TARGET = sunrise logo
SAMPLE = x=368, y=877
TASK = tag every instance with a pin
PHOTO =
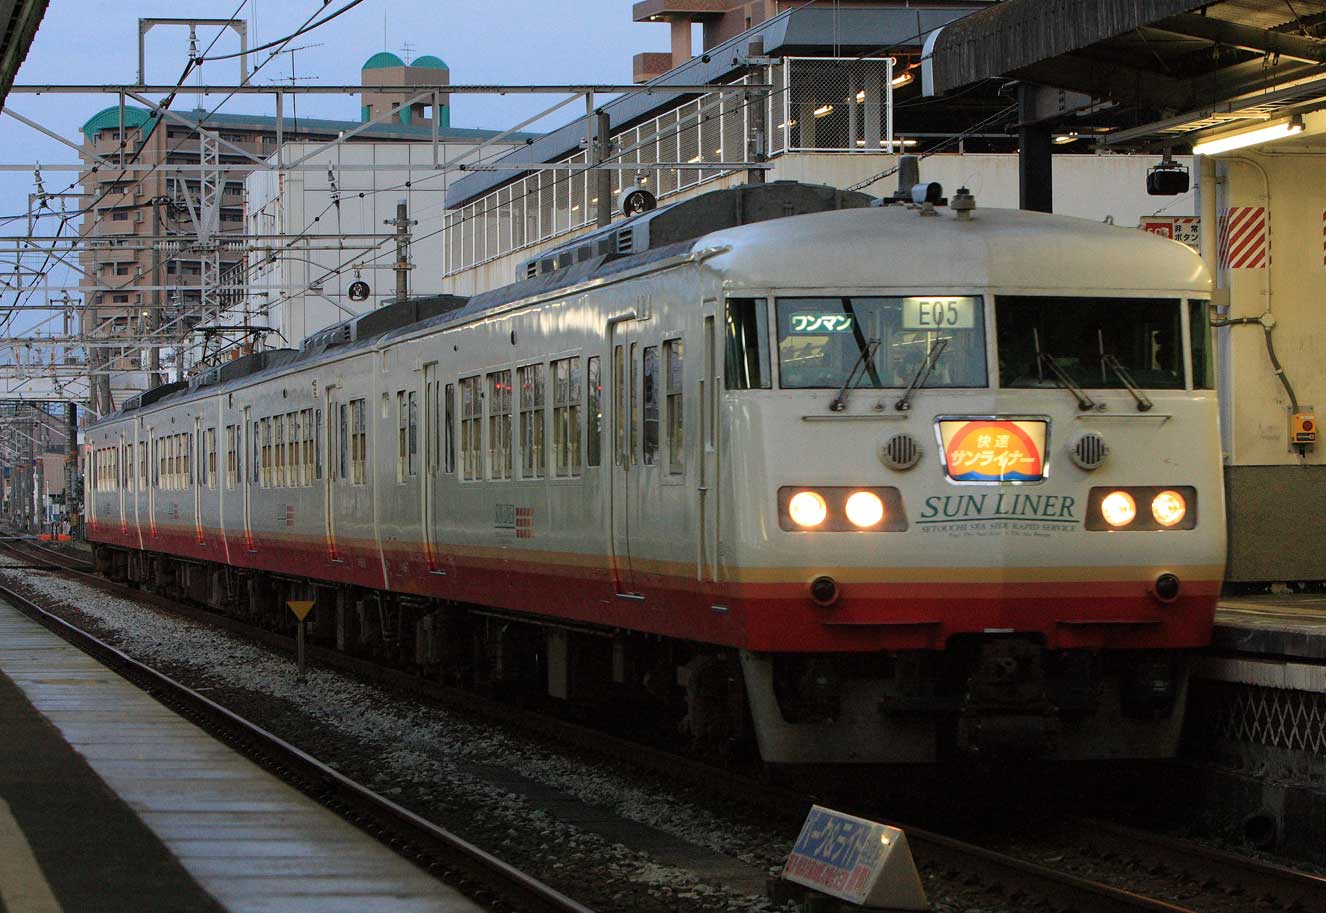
x=994, y=451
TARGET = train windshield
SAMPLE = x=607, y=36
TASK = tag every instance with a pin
x=869, y=342
x=1095, y=342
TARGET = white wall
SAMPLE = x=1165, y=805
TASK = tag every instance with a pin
x=1289, y=179
x=291, y=203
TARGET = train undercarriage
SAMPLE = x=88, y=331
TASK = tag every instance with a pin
x=985, y=697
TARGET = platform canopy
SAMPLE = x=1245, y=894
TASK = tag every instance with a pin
x=1159, y=72
x=18, y=24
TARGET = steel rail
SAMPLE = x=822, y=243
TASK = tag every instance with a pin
x=959, y=859
x=1253, y=878
x=480, y=875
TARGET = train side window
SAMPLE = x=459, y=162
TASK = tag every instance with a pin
x=675, y=351
x=747, y=346
x=594, y=417
x=413, y=443
x=269, y=451
x=566, y=417
x=633, y=406
x=308, y=470
x=142, y=465
x=471, y=425
x=344, y=441
x=317, y=445
x=531, y=421
x=209, y=445
x=1199, y=329
x=649, y=410
x=278, y=450
x=401, y=434
x=449, y=409
x=358, y=441
x=499, y=425
x=259, y=455
x=619, y=406
x=232, y=456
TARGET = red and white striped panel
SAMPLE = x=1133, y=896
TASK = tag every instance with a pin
x=1242, y=238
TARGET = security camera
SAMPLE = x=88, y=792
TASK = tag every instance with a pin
x=636, y=200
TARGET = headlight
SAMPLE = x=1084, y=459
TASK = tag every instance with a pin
x=865, y=509
x=807, y=509
x=1118, y=508
x=1169, y=508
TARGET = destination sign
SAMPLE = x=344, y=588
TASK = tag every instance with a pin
x=939, y=313
x=818, y=323
x=993, y=450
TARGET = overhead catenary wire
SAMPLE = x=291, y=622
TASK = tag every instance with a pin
x=308, y=25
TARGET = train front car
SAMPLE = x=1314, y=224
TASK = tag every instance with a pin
x=974, y=466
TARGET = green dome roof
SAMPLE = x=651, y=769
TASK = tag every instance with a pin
x=431, y=62
x=109, y=119
x=382, y=60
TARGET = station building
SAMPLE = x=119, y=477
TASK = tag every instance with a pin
x=845, y=101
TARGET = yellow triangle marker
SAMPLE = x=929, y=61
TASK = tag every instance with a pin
x=301, y=607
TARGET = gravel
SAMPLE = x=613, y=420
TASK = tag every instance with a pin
x=426, y=759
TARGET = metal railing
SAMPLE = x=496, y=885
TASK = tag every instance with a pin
x=817, y=104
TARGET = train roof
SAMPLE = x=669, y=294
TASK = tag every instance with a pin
x=995, y=248
x=900, y=247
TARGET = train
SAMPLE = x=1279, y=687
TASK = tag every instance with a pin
x=778, y=466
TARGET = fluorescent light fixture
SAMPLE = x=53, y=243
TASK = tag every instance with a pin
x=1064, y=138
x=1217, y=144
x=824, y=110
x=902, y=79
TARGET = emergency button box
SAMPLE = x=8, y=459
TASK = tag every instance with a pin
x=1303, y=428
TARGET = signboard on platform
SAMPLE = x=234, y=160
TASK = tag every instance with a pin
x=1184, y=229
x=860, y=861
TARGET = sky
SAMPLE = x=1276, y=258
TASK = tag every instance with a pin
x=495, y=41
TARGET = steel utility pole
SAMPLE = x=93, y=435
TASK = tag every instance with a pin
x=403, y=265
x=601, y=152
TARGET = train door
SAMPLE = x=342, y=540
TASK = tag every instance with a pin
x=623, y=383
x=121, y=480
x=705, y=447
x=198, y=467
x=431, y=468
x=154, y=480
x=250, y=443
x=333, y=465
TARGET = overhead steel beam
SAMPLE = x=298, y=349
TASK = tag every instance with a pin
x=1019, y=33
x=1229, y=108
x=1245, y=37
x=608, y=89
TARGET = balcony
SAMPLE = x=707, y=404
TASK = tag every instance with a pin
x=650, y=65
x=692, y=10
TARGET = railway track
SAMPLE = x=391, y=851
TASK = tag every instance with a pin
x=1206, y=879
x=480, y=875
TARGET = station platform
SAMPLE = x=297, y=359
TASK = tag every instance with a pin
x=110, y=802
x=1288, y=625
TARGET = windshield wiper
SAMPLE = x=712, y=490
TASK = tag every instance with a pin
x=865, y=360
x=1084, y=402
x=1112, y=362
x=922, y=374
